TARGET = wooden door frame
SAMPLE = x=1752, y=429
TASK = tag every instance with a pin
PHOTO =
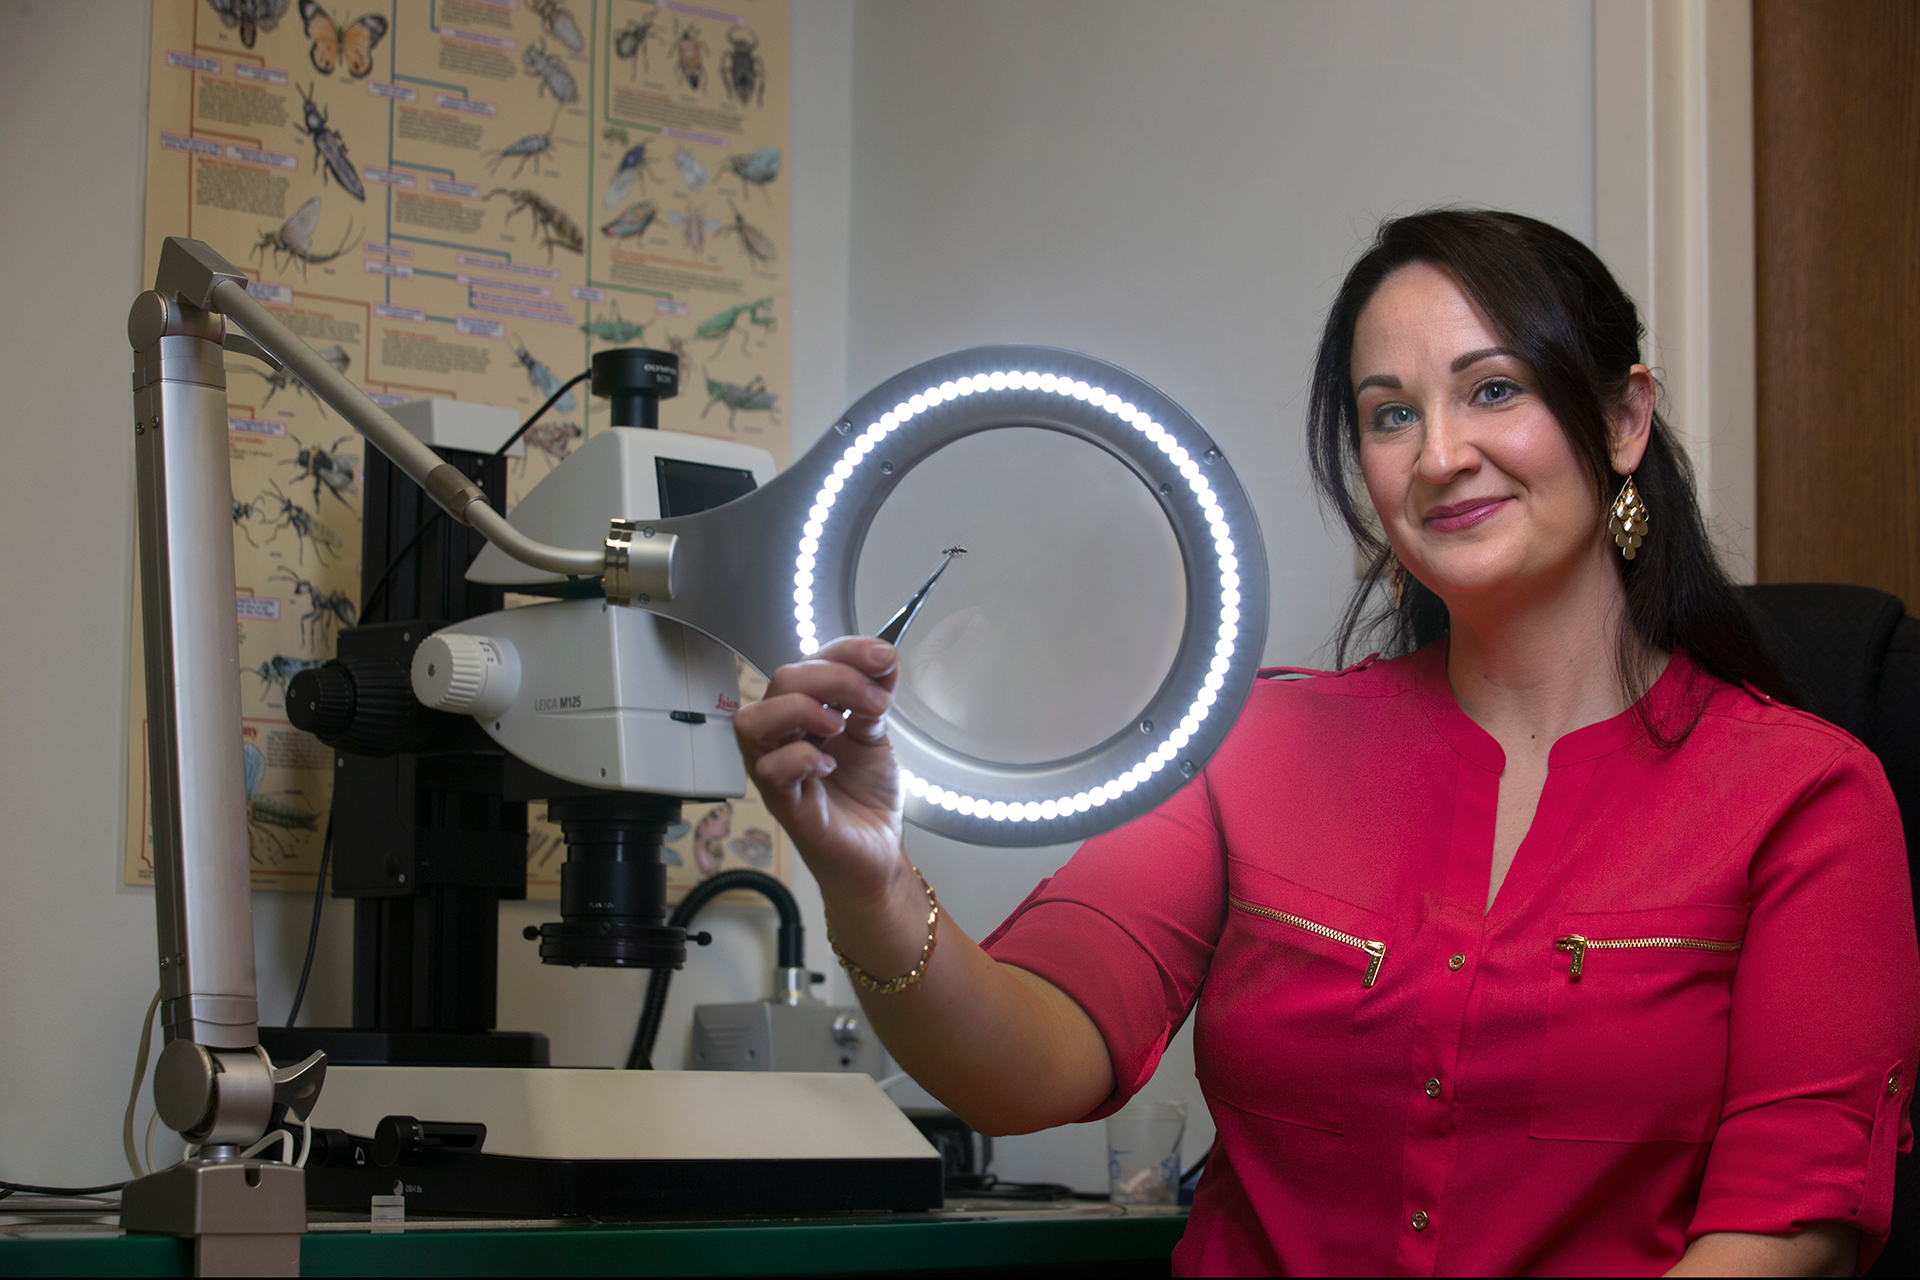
x=1674, y=220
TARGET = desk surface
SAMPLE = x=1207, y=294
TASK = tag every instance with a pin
x=967, y=1236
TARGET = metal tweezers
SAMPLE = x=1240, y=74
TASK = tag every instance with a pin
x=897, y=625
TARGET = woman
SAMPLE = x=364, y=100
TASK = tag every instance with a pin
x=1558, y=944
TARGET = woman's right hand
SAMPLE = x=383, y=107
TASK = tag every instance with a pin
x=840, y=801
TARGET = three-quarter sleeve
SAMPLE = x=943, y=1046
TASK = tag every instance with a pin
x=1825, y=1021
x=1127, y=929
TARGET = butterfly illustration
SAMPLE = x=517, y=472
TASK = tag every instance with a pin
x=251, y=16
x=354, y=43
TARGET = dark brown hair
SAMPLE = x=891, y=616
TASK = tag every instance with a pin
x=1553, y=302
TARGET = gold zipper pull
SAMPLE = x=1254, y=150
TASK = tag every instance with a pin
x=1576, y=944
x=1376, y=952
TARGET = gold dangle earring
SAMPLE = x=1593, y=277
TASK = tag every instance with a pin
x=1628, y=520
x=1396, y=580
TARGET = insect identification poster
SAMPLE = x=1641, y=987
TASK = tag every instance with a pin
x=463, y=199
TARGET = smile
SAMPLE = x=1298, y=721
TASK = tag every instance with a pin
x=1463, y=515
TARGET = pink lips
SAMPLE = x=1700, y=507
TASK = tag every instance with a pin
x=1463, y=515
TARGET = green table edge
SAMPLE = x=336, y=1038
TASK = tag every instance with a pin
x=774, y=1248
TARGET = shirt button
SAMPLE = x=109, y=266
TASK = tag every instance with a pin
x=1456, y=961
x=1420, y=1220
x=1433, y=1088
x=1893, y=1086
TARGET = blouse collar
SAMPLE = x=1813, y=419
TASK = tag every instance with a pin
x=1588, y=743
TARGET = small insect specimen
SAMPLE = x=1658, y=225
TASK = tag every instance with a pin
x=334, y=43
x=555, y=439
x=756, y=170
x=294, y=239
x=633, y=167
x=692, y=172
x=327, y=468
x=274, y=673
x=553, y=73
x=633, y=40
x=743, y=72
x=558, y=20
x=614, y=330
x=281, y=378
x=306, y=529
x=325, y=609
x=633, y=222
x=723, y=325
x=557, y=230
x=758, y=244
x=615, y=134
x=541, y=377
x=330, y=147
x=528, y=150
x=690, y=56
x=752, y=398
x=251, y=16
x=696, y=224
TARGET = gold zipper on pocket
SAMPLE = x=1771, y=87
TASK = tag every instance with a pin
x=1579, y=944
x=1376, y=951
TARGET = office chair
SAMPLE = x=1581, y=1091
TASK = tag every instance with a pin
x=1855, y=656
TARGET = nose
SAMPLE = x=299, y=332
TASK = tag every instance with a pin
x=1446, y=449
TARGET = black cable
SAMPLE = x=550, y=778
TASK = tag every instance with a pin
x=985, y=1186
x=791, y=948
x=439, y=513
x=313, y=930
x=29, y=1188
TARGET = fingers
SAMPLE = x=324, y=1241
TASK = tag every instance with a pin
x=854, y=674
x=787, y=767
x=873, y=658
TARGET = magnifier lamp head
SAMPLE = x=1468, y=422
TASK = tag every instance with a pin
x=772, y=575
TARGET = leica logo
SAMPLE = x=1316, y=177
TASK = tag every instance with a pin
x=724, y=703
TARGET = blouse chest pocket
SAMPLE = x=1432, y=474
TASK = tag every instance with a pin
x=1636, y=1038
x=1292, y=972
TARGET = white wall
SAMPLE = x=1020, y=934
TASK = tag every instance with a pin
x=1175, y=189
x=1178, y=189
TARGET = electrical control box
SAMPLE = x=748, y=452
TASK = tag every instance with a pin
x=767, y=1035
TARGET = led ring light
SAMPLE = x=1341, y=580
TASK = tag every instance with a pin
x=826, y=501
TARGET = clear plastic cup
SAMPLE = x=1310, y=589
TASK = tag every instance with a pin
x=1143, y=1152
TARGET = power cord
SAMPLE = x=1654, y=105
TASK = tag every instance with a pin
x=313, y=941
x=133, y=1094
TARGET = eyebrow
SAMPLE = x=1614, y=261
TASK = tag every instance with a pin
x=1386, y=380
x=1472, y=358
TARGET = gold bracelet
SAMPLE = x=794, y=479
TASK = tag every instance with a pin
x=894, y=986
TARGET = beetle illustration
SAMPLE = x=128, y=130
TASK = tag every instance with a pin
x=633, y=40
x=690, y=56
x=329, y=148
x=756, y=170
x=743, y=72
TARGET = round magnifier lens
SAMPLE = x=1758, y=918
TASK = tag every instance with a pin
x=1056, y=628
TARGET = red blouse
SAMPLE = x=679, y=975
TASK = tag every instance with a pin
x=1694, y=1006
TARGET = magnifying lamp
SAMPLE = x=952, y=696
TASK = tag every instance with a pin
x=772, y=576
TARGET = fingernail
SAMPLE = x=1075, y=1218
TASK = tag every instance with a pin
x=826, y=765
x=883, y=653
x=877, y=698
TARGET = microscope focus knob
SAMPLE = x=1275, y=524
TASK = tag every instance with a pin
x=322, y=700
x=466, y=674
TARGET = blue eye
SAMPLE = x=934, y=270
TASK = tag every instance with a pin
x=1496, y=391
x=1391, y=416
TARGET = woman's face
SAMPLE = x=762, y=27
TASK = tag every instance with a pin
x=1476, y=484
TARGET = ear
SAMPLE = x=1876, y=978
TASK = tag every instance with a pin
x=1631, y=425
